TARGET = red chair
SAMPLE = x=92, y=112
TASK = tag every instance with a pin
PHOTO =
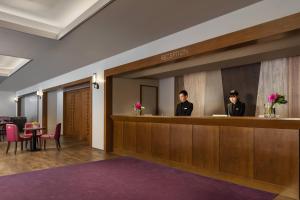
x=12, y=135
x=52, y=136
x=28, y=133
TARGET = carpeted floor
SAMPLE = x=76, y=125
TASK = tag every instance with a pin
x=121, y=179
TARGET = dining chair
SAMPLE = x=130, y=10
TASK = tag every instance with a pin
x=28, y=133
x=2, y=131
x=52, y=136
x=12, y=135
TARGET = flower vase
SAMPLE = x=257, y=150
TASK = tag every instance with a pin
x=138, y=112
x=270, y=111
x=273, y=112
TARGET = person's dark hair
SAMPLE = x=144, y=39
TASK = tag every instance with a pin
x=184, y=92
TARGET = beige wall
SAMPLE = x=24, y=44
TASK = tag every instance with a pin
x=166, y=101
x=7, y=104
x=126, y=92
x=52, y=111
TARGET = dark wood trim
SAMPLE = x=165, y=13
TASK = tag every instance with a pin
x=91, y=112
x=45, y=110
x=251, y=34
x=70, y=84
x=19, y=107
x=108, y=123
x=141, y=99
x=281, y=123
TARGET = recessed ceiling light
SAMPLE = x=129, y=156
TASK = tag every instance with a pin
x=10, y=64
x=47, y=18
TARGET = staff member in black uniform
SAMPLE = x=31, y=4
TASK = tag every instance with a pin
x=184, y=108
x=235, y=107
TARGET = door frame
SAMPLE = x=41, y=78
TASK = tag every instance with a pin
x=87, y=80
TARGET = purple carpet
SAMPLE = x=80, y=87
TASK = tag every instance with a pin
x=121, y=179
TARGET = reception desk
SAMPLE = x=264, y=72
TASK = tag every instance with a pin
x=262, y=151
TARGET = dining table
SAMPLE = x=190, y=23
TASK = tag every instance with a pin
x=34, y=131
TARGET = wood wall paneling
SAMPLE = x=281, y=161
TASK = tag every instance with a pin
x=108, y=123
x=118, y=135
x=294, y=87
x=245, y=80
x=143, y=138
x=276, y=156
x=68, y=113
x=129, y=136
x=236, y=150
x=77, y=126
x=206, y=147
x=181, y=140
x=77, y=114
x=160, y=140
x=86, y=115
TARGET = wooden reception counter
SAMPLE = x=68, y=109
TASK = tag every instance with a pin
x=254, y=149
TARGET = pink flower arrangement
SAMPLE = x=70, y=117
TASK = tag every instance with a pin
x=138, y=107
x=272, y=97
x=276, y=98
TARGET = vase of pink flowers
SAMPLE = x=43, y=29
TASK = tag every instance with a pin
x=137, y=107
x=273, y=99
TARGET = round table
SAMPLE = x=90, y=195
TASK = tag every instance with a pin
x=33, y=139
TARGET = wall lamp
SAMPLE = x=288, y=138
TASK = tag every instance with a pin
x=16, y=99
x=95, y=82
x=39, y=93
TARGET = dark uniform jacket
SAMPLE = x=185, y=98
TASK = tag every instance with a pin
x=184, y=109
x=237, y=109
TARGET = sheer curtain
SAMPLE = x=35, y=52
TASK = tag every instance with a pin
x=282, y=76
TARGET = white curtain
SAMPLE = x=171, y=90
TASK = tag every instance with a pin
x=281, y=76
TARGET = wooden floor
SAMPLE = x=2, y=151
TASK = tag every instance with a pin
x=73, y=152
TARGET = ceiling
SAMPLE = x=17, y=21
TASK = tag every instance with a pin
x=9, y=65
x=47, y=18
x=120, y=26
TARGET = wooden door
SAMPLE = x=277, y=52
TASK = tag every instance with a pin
x=77, y=114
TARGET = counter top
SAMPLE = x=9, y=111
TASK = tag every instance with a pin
x=256, y=122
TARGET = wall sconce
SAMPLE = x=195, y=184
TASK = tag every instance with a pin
x=16, y=99
x=95, y=82
x=39, y=93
